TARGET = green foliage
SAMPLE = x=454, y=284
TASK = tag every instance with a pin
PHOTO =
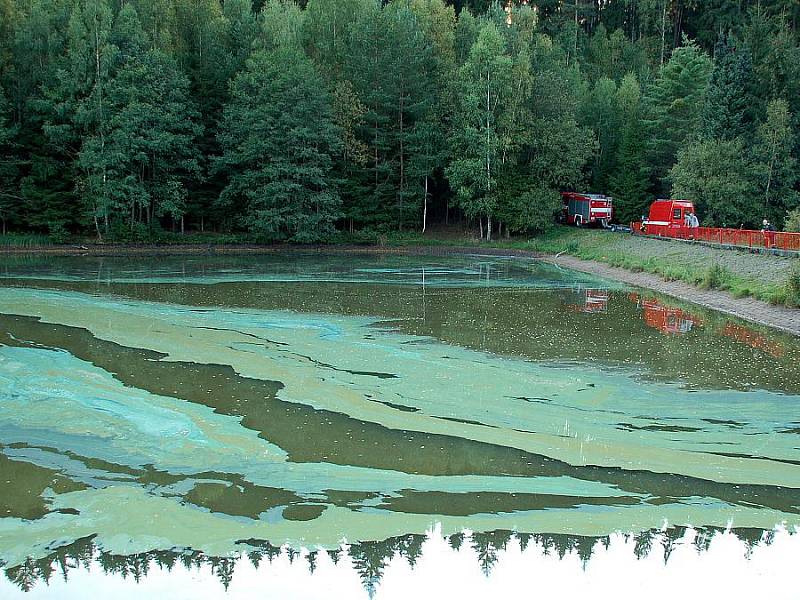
x=24, y=240
x=792, y=222
x=57, y=233
x=143, y=159
x=777, y=168
x=8, y=171
x=793, y=285
x=601, y=112
x=673, y=105
x=282, y=26
x=714, y=277
x=116, y=112
x=727, y=103
x=516, y=137
x=485, y=126
x=720, y=178
x=629, y=181
x=278, y=139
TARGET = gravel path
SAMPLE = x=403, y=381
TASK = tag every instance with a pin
x=761, y=267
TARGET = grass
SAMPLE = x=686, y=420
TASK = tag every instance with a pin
x=793, y=286
x=24, y=240
x=765, y=277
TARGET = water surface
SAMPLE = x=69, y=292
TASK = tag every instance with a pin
x=215, y=407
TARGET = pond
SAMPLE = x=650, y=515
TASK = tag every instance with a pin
x=370, y=423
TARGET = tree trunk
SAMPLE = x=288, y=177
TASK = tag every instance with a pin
x=575, y=54
x=488, y=228
x=772, y=158
x=488, y=137
x=678, y=27
x=100, y=112
x=769, y=184
x=663, y=30
x=97, y=228
x=402, y=161
x=425, y=207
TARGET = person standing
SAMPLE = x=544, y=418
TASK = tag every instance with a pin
x=768, y=229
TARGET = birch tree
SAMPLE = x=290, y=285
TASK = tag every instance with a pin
x=485, y=90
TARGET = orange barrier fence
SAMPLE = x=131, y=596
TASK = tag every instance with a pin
x=747, y=238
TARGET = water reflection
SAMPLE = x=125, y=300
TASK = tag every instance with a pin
x=311, y=435
x=666, y=319
x=754, y=339
x=590, y=301
x=65, y=568
x=385, y=269
x=530, y=310
x=235, y=411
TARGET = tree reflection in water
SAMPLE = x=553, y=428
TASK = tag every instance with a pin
x=368, y=559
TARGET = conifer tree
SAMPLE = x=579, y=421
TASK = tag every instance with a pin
x=629, y=181
x=673, y=107
x=9, y=198
x=727, y=102
x=279, y=141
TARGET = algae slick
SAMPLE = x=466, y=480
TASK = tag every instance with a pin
x=135, y=414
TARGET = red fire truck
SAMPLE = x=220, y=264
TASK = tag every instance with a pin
x=586, y=209
x=666, y=215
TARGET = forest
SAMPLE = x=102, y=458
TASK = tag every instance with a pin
x=308, y=121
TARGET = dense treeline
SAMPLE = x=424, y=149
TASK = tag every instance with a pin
x=294, y=120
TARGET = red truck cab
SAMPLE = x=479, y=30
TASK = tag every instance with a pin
x=667, y=214
x=586, y=209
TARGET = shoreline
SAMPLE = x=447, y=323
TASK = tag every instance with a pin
x=747, y=308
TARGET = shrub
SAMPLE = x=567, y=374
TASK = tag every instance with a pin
x=742, y=292
x=58, y=233
x=793, y=285
x=792, y=222
x=714, y=277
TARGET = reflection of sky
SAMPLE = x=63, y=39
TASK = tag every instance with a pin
x=726, y=569
x=573, y=411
